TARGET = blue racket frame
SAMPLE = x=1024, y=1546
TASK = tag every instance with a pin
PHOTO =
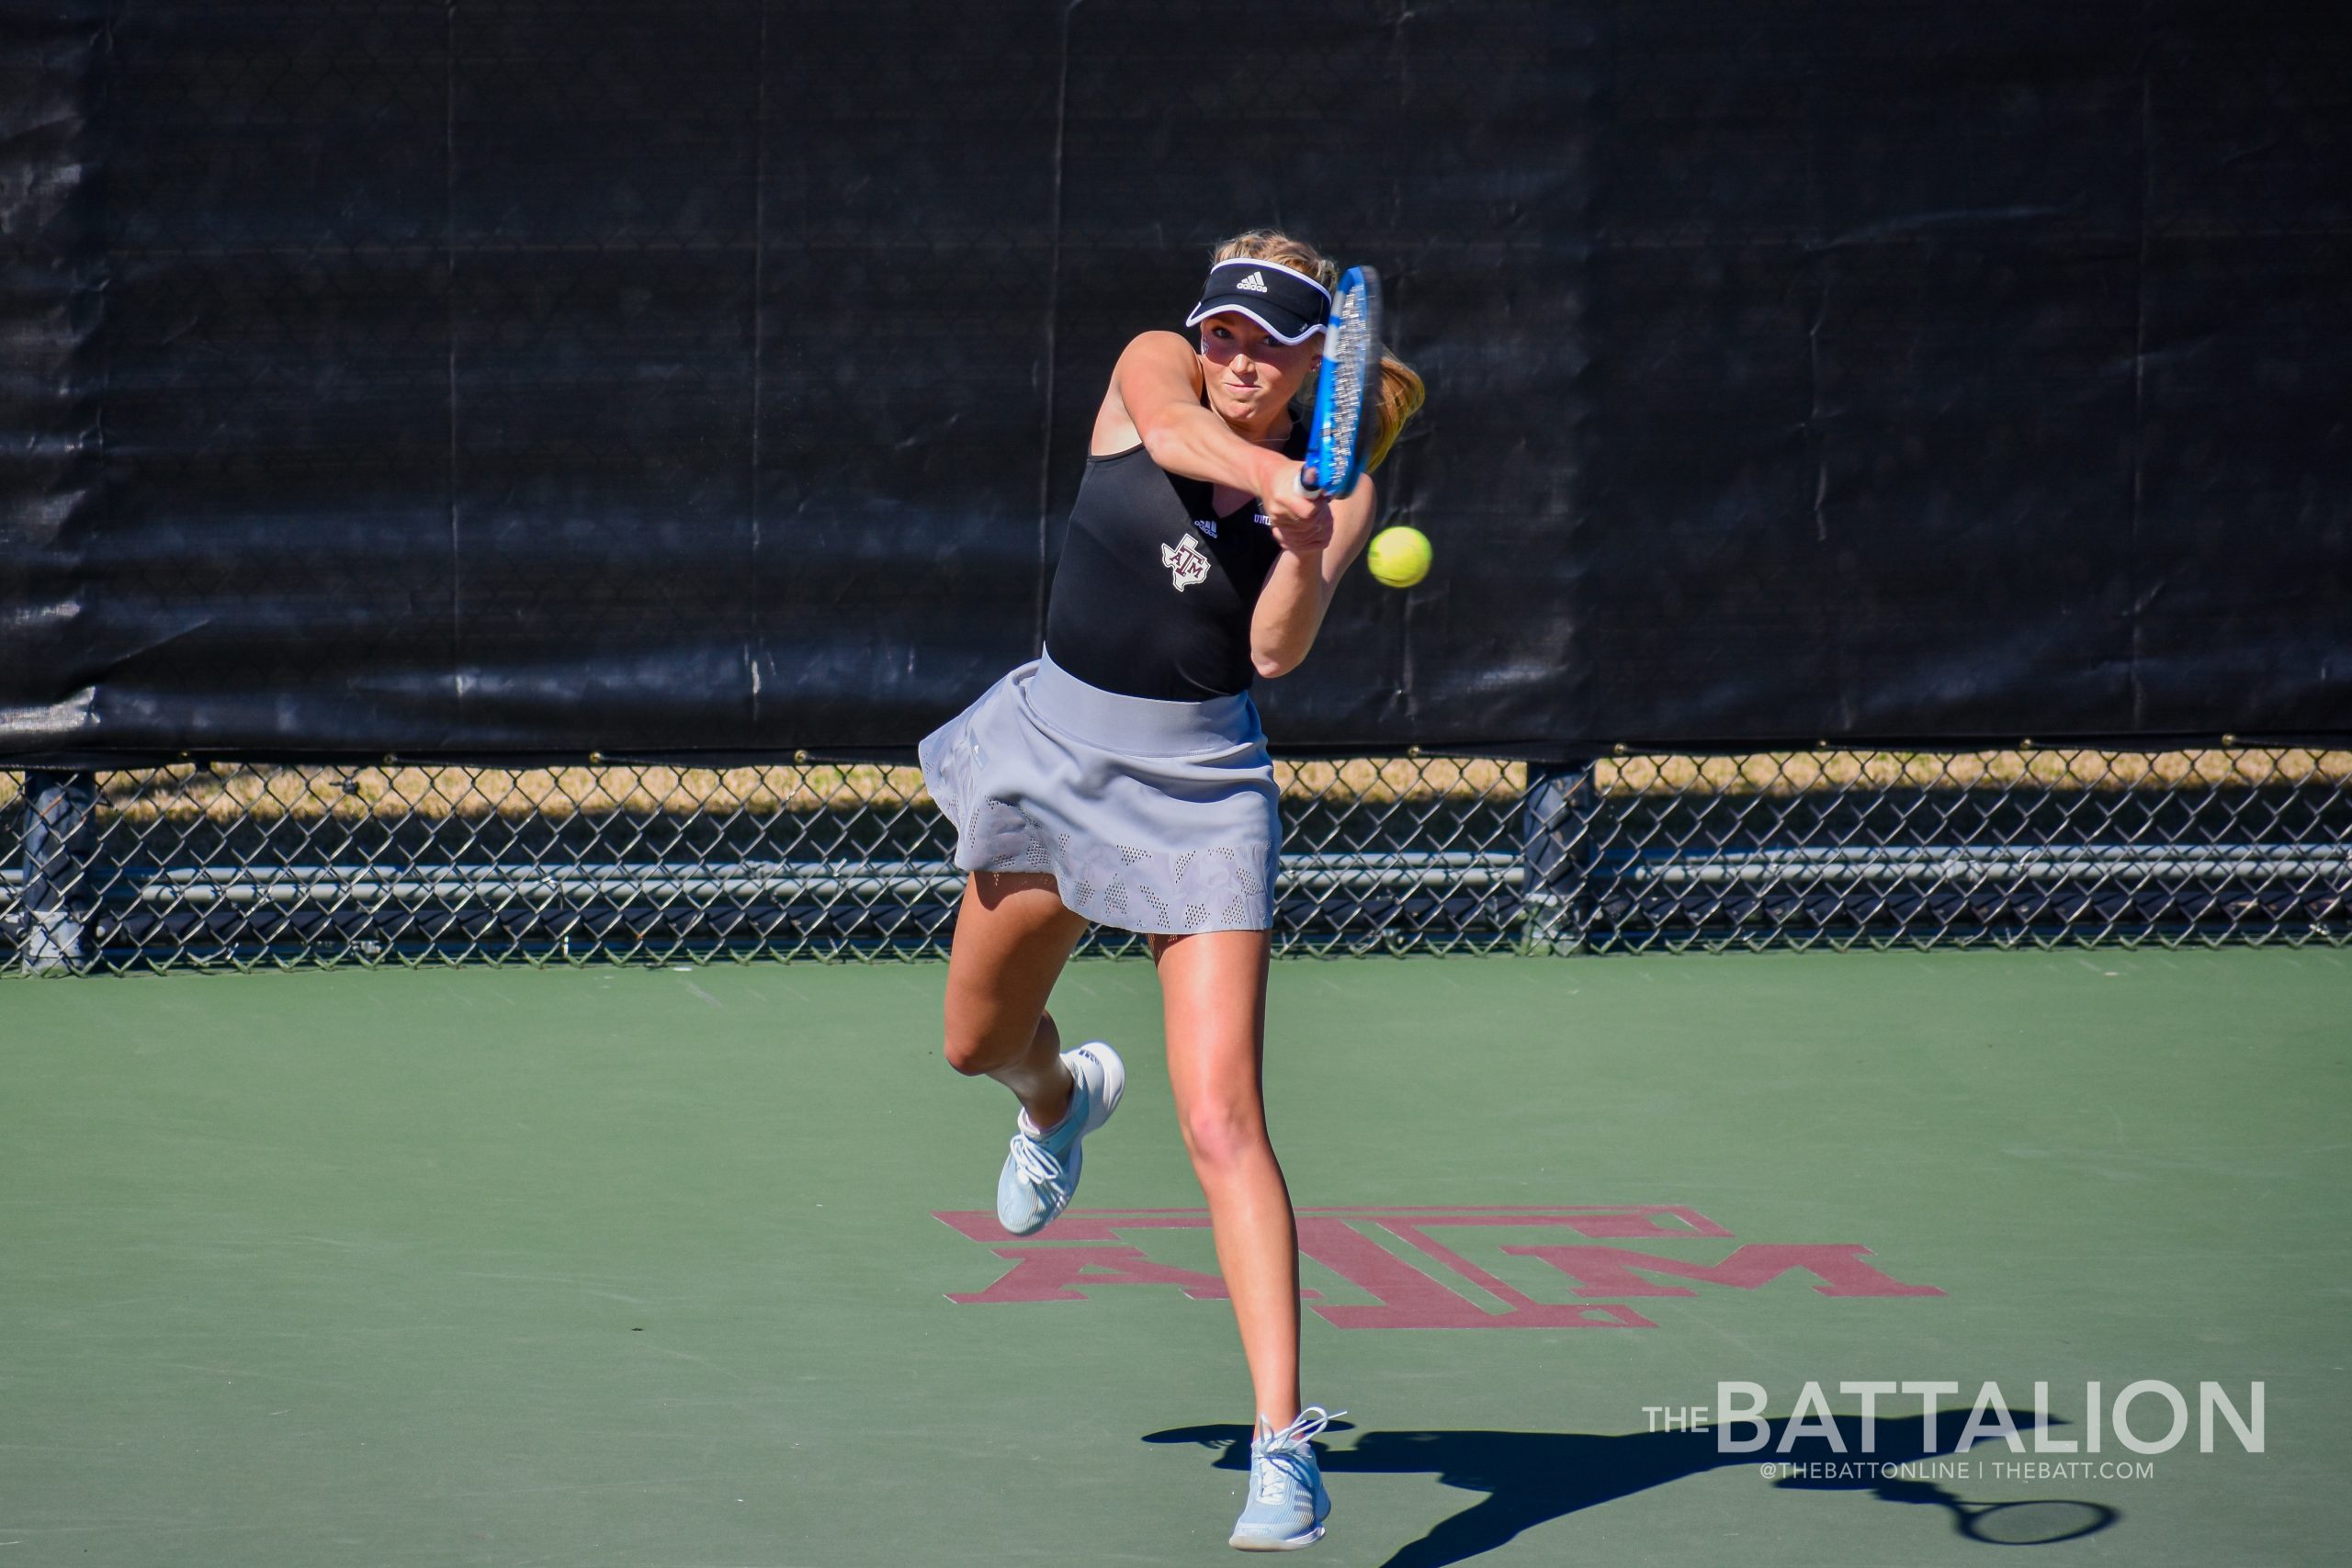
x=1343, y=390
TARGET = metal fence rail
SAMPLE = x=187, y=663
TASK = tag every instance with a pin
x=248, y=865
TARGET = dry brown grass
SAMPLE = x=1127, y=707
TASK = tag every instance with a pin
x=1381, y=780
x=232, y=792
x=1793, y=772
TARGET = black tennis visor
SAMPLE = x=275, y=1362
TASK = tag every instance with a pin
x=1288, y=304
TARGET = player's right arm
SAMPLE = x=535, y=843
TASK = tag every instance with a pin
x=1155, y=394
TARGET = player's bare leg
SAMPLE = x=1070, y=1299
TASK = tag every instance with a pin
x=1012, y=936
x=1213, y=986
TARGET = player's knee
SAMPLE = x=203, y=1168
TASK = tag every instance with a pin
x=983, y=1044
x=971, y=1053
x=1223, y=1134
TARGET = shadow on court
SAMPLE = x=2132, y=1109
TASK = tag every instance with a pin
x=1533, y=1478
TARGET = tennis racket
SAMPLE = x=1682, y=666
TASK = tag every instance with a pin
x=1335, y=451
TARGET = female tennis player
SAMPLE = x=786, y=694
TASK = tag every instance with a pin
x=1123, y=778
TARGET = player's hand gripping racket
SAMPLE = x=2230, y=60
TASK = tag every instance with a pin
x=1335, y=451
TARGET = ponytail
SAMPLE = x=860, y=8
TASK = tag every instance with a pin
x=1397, y=398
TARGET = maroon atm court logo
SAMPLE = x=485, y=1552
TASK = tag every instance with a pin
x=1419, y=1266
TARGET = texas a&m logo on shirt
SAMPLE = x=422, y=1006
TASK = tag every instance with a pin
x=1185, y=562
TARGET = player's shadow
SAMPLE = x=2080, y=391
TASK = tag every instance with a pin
x=1533, y=1478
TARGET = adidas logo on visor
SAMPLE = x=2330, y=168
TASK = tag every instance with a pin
x=1255, y=283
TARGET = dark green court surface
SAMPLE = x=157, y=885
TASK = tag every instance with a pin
x=671, y=1267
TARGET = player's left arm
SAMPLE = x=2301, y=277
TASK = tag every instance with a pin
x=1316, y=554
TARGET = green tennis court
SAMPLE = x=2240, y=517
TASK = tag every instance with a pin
x=673, y=1267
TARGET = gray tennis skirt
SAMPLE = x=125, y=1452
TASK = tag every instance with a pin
x=1150, y=815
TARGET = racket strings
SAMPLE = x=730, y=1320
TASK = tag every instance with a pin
x=1349, y=359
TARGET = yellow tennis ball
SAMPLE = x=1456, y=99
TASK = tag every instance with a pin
x=1399, y=556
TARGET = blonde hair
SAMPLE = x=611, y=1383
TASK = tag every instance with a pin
x=1400, y=393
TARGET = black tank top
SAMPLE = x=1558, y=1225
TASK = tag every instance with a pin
x=1154, y=592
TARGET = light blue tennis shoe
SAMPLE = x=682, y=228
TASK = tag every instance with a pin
x=1040, y=1174
x=1287, y=1503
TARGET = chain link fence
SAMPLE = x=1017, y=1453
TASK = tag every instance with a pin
x=246, y=866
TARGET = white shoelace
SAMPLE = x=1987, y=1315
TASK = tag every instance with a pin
x=1037, y=1161
x=1283, y=1457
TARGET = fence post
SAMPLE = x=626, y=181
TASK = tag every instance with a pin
x=60, y=840
x=1556, y=847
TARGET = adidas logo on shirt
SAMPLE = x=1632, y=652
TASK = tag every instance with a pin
x=1255, y=283
x=1205, y=527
